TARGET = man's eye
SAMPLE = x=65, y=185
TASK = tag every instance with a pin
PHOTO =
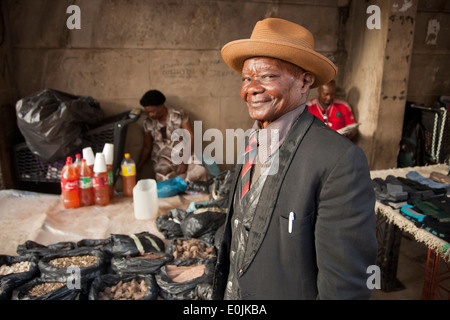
x=245, y=79
x=268, y=76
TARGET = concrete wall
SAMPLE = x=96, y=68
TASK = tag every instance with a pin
x=430, y=61
x=8, y=94
x=125, y=48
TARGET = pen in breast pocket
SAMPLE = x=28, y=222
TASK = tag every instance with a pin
x=291, y=221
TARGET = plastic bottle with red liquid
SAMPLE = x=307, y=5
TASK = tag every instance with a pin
x=69, y=185
x=77, y=162
x=100, y=181
x=86, y=190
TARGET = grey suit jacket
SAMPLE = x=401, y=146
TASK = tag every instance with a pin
x=324, y=179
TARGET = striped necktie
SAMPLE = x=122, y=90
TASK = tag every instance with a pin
x=249, y=156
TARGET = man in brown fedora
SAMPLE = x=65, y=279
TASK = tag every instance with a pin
x=307, y=229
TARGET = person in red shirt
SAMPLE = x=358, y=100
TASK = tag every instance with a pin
x=336, y=113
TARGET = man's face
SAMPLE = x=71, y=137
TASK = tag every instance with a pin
x=271, y=88
x=154, y=112
x=326, y=94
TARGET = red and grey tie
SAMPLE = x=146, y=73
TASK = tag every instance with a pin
x=249, y=157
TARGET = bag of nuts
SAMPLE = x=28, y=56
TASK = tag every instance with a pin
x=190, y=251
x=40, y=289
x=15, y=271
x=61, y=266
x=124, y=287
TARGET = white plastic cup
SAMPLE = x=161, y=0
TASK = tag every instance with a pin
x=108, y=151
x=100, y=164
x=145, y=199
x=88, y=154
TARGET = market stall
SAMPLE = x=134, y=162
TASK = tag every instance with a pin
x=390, y=225
x=123, y=254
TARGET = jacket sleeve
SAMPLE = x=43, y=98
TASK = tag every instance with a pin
x=345, y=236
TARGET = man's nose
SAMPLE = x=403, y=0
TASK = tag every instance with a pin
x=255, y=87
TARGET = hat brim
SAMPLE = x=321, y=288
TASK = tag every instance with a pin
x=236, y=52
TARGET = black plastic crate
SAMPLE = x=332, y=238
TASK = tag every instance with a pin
x=30, y=168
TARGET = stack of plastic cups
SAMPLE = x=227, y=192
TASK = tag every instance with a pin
x=100, y=181
x=88, y=154
x=108, y=151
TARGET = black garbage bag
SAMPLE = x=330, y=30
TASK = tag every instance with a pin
x=61, y=290
x=169, y=224
x=141, y=264
x=102, y=282
x=32, y=247
x=52, y=122
x=204, y=291
x=203, y=221
x=199, y=186
x=53, y=269
x=221, y=185
x=173, y=289
x=133, y=244
x=8, y=282
x=93, y=243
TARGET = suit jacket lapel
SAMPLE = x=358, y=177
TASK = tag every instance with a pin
x=271, y=189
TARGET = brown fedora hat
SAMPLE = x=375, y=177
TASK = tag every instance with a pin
x=284, y=40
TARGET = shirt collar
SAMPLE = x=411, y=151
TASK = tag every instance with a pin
x=274, y=134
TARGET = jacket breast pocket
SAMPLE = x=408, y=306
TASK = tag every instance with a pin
x=296, y=226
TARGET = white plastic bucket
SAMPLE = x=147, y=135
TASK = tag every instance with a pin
x=145, y=199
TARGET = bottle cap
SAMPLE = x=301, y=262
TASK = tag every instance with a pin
x=127, y=155
x=88, y=154
x=108, y=151
x=100, y=164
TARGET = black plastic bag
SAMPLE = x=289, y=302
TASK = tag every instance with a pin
x=93, y=243
x=141, y=264
x=221, y=186
x=32, y=247
x=62, y=293
x=133, y=244
x=203, y=221
x=52, y=122
x=13, y=280
x=108, y=280
x=204, y=291
x=63, y=274
x=187, y=290
x=169, y=224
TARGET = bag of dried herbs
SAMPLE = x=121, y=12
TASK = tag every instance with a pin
x=124, y=287
x=85, y=263
x=133, y=244
x=190, y=251
x=15, y=271
x=41, y=289
x=180, y=282
x=145, y=263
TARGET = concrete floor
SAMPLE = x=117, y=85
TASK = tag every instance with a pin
x=410, y=272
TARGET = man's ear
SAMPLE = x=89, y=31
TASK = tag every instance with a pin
x=308, y=80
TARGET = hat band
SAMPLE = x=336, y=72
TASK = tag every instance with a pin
x=267, y=35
